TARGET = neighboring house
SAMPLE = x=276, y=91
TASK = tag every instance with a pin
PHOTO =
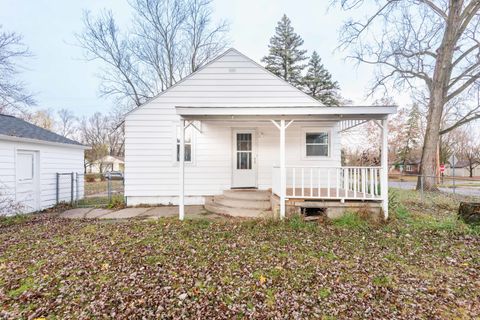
x=462, y=169
x=242, y=141
x=106, y=164
x=30, y=158
x=411, y=166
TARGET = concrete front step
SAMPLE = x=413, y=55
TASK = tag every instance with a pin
x=237, y=212
x=241, y=203
x=248, y=194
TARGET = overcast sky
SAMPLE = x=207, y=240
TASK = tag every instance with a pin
x=62, y=79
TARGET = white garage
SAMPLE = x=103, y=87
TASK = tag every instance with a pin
x=38, y=168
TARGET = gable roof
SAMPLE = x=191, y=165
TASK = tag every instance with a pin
x=15, y=127
x=233, y=74
x=463, y=164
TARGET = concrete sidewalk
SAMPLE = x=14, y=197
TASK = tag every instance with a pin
x=130, y=213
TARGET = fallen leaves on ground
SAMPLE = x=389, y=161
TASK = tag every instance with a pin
x=58, y=268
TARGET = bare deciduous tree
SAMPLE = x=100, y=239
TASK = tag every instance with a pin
x=66, y=123
x=44, y=118
x=168, y=39
x=429, y=46
x=464, y=144
x=14, y=97
x=104, y=134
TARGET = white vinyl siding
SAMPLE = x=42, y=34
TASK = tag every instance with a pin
x=150, y=176
x=52, y=159
x=151, y=170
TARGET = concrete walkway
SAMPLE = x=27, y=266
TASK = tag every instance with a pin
x=129, y=213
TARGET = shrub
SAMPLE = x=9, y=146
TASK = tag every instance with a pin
x=90, y=177
x=117, y=202
x=8, y=204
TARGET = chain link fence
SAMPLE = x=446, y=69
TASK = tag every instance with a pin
x=450, y=189
x=69, y=187
x=102, y=190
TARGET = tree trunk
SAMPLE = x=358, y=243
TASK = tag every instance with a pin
x=438, y=94
x=469, y=212
x=432, y=134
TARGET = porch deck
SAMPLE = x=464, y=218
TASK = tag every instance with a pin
x=328, y=193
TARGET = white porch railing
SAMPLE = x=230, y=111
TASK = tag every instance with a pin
x=344, y=183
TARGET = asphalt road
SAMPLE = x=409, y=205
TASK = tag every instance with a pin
x=410, y=185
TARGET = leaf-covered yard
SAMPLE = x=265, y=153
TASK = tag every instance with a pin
x=58, y=268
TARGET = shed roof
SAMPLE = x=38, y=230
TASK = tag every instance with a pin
x=15, y=127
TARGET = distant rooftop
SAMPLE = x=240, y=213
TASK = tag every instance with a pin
x=15, y=127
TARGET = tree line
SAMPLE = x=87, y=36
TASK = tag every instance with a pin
x=405, y=140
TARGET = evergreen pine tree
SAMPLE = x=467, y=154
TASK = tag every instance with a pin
x=412, y=134
x=319, y=84
x=285, y=55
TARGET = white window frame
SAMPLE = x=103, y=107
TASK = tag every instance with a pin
x=306, y=130
x=176, y=128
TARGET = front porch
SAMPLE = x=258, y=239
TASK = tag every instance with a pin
x=291, y=183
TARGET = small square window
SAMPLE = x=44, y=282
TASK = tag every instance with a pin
x=316, y=144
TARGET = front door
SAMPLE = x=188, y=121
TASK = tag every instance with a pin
x=27, y=181
x=244, y=159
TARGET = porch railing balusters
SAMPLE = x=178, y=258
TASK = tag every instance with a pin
x=337, y=173
x=293, y=181
x=355, y=182
x=311, y=182
x=371, y=182
x=328, y=184
x=303, y=182
x=350, y=183
x=319, y=182
x=364, y=183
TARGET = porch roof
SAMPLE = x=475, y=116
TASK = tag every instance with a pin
x=298, y=113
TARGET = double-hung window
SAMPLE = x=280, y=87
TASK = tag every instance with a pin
x=316, y=143
x=188, y=144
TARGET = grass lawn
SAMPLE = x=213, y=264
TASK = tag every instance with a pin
x=100, y=187
x=423, y=263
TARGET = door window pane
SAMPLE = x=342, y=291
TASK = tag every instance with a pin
x=244, y=141
x=244, y=161
x=244, y=151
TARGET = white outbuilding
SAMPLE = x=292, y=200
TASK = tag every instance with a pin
x=38, y=168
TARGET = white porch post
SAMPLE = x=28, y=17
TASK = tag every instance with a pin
x=384, y=171
x=283, y=174
x=181, y=169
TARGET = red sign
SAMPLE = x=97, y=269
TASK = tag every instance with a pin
x=442, y=168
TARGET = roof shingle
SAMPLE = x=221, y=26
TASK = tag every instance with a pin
x=15, y=127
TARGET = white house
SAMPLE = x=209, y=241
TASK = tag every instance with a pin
x=241, y=141
x=30, y=158
x=106, y=164
x=462, y=169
